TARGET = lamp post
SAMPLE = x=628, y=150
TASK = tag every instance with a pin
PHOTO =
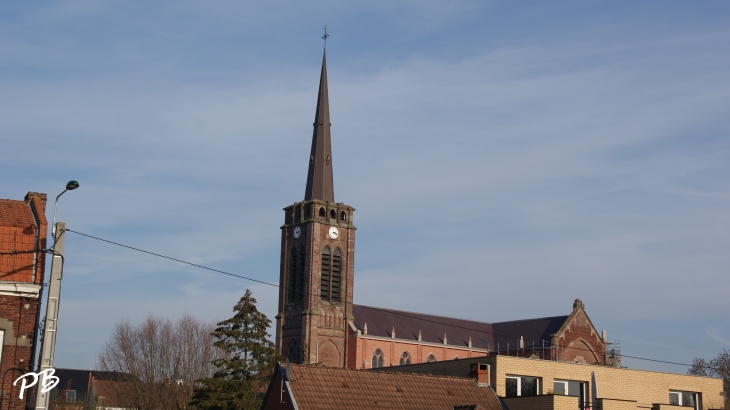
x=54, y=295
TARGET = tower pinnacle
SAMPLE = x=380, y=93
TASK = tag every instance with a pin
x=319, y=178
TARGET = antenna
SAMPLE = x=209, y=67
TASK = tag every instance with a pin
x=324, y=37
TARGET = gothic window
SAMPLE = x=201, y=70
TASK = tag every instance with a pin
x=300, y=275
x=333, y=214
x=405, y=358
x=431, y=358
x=322, y=212
x=292, y=276
x=308, y=211
x=324, y=288
x=331, y=276
x=378, y=359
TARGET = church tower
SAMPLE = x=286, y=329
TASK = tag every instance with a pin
x=317, y=259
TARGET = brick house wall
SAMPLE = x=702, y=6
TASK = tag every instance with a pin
x=23, y=228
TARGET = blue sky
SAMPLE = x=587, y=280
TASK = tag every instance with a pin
x=504, y=158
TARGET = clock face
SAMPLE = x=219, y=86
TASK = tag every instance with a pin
x=333, y=233
x=297, y=232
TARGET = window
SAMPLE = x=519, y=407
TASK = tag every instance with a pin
x=684, y=398
x=571, y=388
x=293, y=275
x=331, y=276
x=378, y=359
x=71, y=395
x=324, y=288
x=431, y=358
x=522, y=386
x=322, y=212
x=405, y=358
x=333, y=214
x=343, y=216
x=296, y=275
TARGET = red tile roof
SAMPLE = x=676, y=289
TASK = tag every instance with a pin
x=324, y=388
x=15, y=213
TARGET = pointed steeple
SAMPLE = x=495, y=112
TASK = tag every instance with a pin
x=319, y=178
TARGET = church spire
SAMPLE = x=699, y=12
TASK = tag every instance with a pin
x=319, y=178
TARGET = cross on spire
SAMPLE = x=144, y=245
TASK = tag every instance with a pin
x=324, y=37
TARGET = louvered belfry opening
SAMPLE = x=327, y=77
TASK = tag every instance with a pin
x=300, y=275
x=331, y=282
x=336, y=275
x=293, y=275
x=326, y=268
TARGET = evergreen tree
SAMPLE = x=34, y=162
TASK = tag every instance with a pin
x=248, y=362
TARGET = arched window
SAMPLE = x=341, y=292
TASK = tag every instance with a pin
x=431, y=358
x=324, y=288
x=343, y=216
x=322, y=212
x=336, y=275
x=378, y=359
x=293, y=277
x=333, y=214
x=405, y=358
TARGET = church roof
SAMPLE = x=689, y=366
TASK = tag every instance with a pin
x=320, y=183
x=484, y=335
x=326, y=388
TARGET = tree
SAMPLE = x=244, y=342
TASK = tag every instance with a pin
x=718, y=367
x=157, y=362
x=248, y=362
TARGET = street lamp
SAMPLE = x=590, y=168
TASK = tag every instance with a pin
x=54, y=298
x=69, y=187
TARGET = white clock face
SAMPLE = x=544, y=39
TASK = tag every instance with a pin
x=333, y=233
x=297, y=232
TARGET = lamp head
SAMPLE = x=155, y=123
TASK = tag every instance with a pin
x=72, y=185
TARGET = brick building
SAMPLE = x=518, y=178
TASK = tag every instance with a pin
x=318, y=323
x=534, y=384
x=23, y=230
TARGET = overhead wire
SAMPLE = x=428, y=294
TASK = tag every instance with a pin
x=396, y=312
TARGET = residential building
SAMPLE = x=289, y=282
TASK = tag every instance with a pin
x=312, y=387
x=530, y=383
x=23, y=234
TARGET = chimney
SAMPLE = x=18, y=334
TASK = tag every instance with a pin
x=603, y=335
x=392, y=333
x=444, y=337
x=365, y=329
x=42, y=198
x=419, y=335
x=522, y=343
x=469, y=341
x=481, y=372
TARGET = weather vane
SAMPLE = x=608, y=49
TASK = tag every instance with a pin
x=324, y=37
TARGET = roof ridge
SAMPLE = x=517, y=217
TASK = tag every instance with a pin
x=368, y=371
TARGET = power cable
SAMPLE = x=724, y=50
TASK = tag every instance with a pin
x=404, y=314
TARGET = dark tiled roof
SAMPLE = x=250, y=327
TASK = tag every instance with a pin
x=325, y=388
x=15, y=213
x=454, y=368
x=483, y=335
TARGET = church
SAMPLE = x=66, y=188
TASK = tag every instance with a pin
x=317, y=321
